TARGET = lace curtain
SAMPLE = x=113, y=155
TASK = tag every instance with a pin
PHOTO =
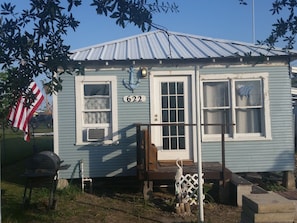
x=92, y=115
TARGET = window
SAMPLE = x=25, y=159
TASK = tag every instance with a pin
x=173, y=111
x=96, y=109
x=249, y=106
x=216, y=106
x=240, y=102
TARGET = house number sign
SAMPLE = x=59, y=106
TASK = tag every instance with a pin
x=134, y=98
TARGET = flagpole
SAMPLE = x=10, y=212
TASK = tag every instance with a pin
x=33, y=135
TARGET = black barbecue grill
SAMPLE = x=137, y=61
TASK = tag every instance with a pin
x=42, y=172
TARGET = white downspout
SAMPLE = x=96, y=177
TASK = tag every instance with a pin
x=199, y=153
x=55, y=122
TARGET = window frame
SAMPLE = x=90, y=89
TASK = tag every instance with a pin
x=80, y=82
x=232, y=78
x=220, y=108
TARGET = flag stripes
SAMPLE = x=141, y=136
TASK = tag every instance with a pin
x=20, y=115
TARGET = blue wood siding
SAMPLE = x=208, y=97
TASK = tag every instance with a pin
x=120, y=159
x=105, y=160
x=266, y=155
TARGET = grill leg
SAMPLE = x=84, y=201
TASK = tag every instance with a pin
x=52, y=203
x=26, y=200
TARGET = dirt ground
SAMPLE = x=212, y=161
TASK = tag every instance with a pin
x=117, y=201
x=128, y=206
x=116, y=204
x=123, y=208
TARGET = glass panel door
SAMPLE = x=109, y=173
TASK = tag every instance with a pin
x=171, y=111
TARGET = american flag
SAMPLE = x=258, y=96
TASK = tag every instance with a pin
x=20, y=115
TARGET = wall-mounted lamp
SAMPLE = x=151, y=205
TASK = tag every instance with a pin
x=143, y=71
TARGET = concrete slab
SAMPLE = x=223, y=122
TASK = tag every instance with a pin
x=268, y=217
x=242, y=190
x=268, y=203
x=244, y=218
x=291, y=195
x=241, y=187
x=295, y=216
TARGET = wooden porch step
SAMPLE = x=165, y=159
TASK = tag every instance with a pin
x=162, y=163
x=167, y=170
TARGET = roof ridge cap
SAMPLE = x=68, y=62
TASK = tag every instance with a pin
x=115, y=41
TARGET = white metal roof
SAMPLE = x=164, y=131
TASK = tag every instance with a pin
x=170, y=45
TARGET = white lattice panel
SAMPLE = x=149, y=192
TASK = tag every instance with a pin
x=189, y=186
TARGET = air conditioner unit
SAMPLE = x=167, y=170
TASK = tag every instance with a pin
x=95, y=135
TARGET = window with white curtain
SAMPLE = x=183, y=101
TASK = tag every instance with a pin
x=238, y=102
x=216, y=106
x=95, y=109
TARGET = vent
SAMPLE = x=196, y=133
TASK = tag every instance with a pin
x=95, y=135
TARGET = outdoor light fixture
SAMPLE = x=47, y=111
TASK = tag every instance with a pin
x=143, y=71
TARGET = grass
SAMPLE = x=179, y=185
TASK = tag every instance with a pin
x=110, y=204
x=13, y=209
x=71, y=203
x=115, y=201
x=14, y=151
x=14, y=148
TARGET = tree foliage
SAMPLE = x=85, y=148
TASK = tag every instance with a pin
x=32, y=40
x=285, y=27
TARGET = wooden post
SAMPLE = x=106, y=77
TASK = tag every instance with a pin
x=289, y=180
x=147, y=190
x=223, y=155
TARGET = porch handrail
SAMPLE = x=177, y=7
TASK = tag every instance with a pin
x=222, y=146
x=149, y=125
x=143, y=139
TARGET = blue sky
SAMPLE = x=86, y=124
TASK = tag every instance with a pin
x=224, y=19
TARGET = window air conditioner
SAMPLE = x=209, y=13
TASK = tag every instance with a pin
x=95, y=135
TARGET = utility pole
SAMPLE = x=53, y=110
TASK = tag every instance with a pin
x=253, y=22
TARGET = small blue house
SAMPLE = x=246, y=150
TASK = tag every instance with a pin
x=190, y=90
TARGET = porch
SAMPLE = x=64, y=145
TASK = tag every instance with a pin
x=150, y=168
x=166, y=170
